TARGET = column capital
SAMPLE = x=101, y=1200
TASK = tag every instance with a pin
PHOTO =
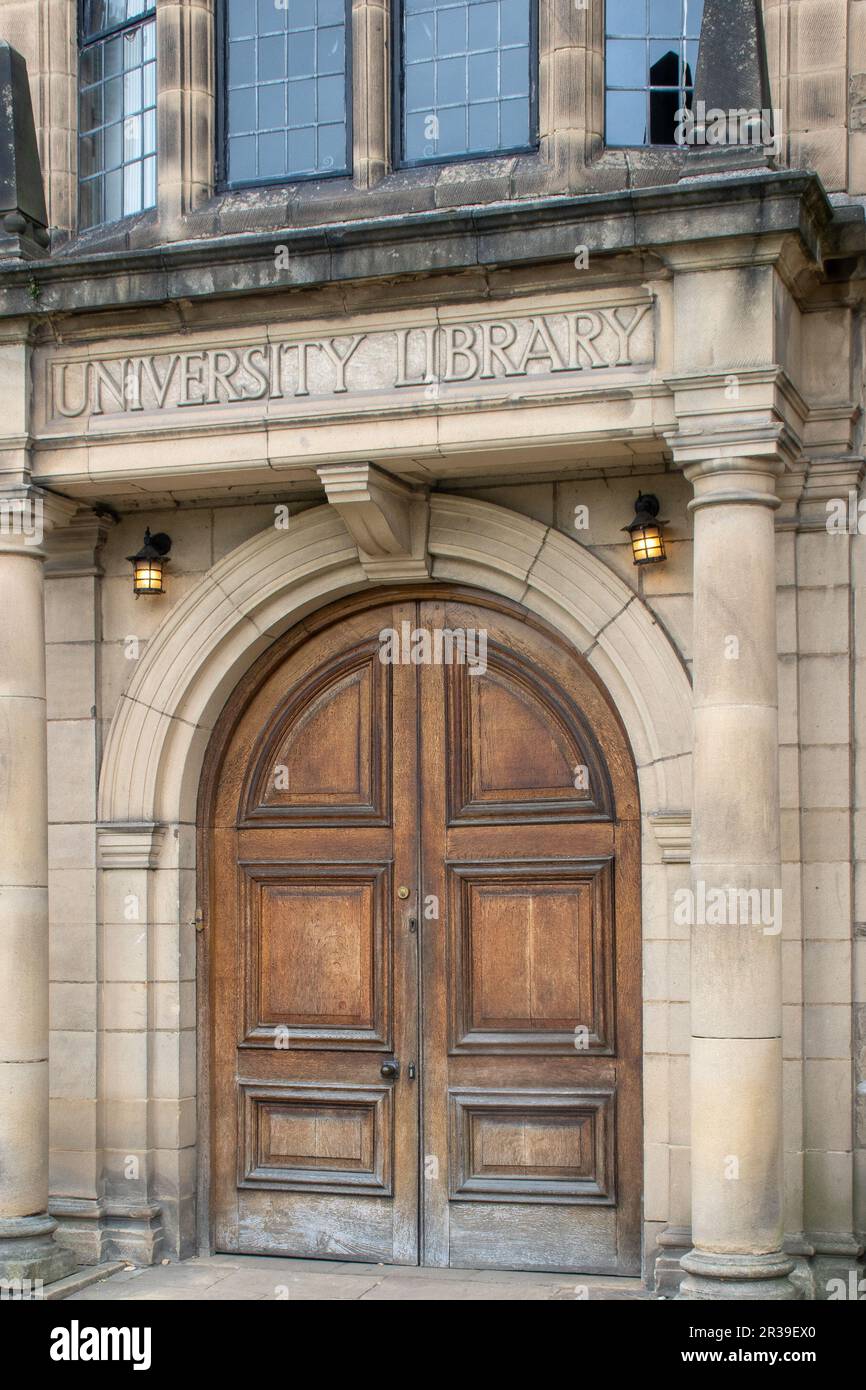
x=735, y=481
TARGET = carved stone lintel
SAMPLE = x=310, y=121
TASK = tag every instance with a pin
x=387, y=520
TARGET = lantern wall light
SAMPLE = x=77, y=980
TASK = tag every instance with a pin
x=148, y=564
x=645, y=531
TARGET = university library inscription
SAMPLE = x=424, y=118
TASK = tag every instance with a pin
x=428, y=358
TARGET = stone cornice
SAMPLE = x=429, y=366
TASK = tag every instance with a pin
x=501, y=234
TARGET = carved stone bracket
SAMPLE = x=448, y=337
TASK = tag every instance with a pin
x=130, y=845
x=387, y=520
x=674, y=835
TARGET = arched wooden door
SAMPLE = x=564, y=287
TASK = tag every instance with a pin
x=424, y=947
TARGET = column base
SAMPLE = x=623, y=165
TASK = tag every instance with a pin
x=737, y=1277
x=28, y=1251
x=673, y=1243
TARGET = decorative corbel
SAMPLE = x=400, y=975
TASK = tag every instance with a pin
x=387, y=519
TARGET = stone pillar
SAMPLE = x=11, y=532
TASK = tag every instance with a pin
x=736, y=963
x=371, y=99
x=27, y=1248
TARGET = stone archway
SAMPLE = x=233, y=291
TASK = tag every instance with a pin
x=158, y=735
x=161, y=728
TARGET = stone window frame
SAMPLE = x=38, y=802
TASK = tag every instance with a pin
x=570, y=156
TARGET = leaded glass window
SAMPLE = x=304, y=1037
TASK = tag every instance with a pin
x=651, y=50
x=286, y=90
x=117, y=109
x=467, y=77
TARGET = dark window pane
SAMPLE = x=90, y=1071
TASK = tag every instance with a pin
x=451, y=31
x=513, y=21
x=99, y=15
x=242, y=63
x=666, y=18
x=451, y=81
x=483, y=76
x=242, y=158
x=272, y=107
x=664, y=64
x=272, y=58
x=663, y=108
x=242, y=110
x=241, y=19
x=270, y=19
x=420, y=97
x=514, y=68
x=90, y=155
x=302, y=54
x=484, y=126
x=302, y=14
x=331, y=12
x=418, y=37
x=626, y=118
x=113, y=56
x=331, y=99
x=114, y=195
x=302, y=102
x=90, y=203
x=332, y=146
x=113, y=146
x=648, y=54
x=514, y=124
x=452, y=130
x=483, y=21
x=626, y=17
x=272, y=155
x=626, y=63
x=302, y=150
x=330, y=50
x=113, y=100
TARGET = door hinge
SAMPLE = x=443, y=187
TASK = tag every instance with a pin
x=198, y=920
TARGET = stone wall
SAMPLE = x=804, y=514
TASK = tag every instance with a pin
x=123, y=993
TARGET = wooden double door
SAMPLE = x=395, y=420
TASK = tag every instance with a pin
x=423, y=947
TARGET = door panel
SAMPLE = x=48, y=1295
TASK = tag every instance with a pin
x=529, y=1013
x=315, y=1151
x=505, y=979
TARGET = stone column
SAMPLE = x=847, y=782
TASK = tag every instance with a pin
x=27, y=1248
x=736, y=963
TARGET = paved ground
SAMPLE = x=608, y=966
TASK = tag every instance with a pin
x=228, y=1277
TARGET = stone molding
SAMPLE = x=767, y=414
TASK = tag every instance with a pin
x=674, y=835
x=128, y=845
x=159, y=732
x=72, y=552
